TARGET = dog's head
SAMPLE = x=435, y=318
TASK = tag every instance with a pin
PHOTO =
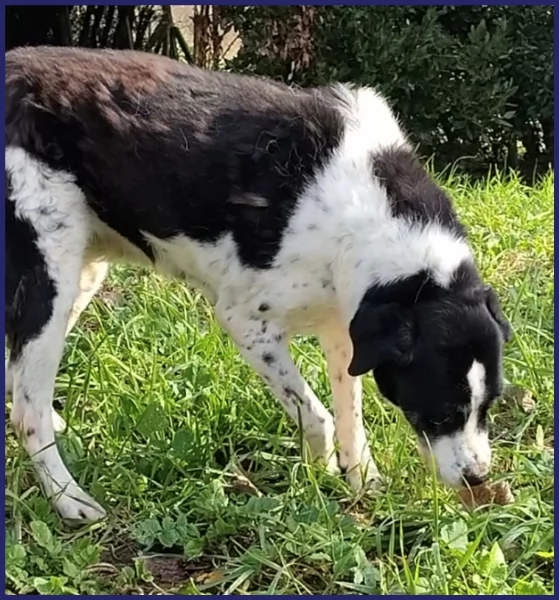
x=436, y=353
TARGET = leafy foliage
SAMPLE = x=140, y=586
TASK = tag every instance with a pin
x=145, y=27
x=472, y=83
x=46, y=565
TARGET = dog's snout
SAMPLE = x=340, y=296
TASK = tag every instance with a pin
x=475, y=478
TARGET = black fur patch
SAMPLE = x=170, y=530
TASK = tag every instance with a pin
x=161, y=147
x=412, y=193
x=29, y=289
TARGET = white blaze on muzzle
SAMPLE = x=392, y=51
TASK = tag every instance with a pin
x=465, y=453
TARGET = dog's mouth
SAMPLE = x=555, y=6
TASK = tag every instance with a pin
x=456, y=469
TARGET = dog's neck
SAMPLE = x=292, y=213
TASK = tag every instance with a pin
x=375, y=214
x=373, y=253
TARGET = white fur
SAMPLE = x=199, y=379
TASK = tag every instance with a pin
x=91, y=279
x=326, y=262
x=358, y=236
x=8, y=380
x=371, y=124
x=469, y=449
x=58, y=423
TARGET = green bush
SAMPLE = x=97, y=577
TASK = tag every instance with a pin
x=472, y=84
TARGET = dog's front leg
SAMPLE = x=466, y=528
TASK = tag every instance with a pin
x=265, y=347
x=347, y=392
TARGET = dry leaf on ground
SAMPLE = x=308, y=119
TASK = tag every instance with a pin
x=487, y=493
x=522, y=397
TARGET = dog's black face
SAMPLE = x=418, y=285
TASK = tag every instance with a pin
x=436, y=354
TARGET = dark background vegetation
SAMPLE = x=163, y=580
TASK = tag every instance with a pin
x=472, y=84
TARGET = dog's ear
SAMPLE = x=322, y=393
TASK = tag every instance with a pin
x=380, y=334
x=494, y=308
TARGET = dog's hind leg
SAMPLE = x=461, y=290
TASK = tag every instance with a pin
x=92, y=276
x=47, y=229
x=8, y=379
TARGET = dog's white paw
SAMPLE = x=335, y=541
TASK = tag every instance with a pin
x=330, y=464
x=364, y=478
x=75, y=505
x=58, y=422
x=323, y=451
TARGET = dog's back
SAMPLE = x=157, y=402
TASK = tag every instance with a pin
x=138, y=130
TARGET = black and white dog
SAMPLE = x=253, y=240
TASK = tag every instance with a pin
x=294, y=211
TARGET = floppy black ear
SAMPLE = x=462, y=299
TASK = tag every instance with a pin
x=494, y=307
x=380, y=334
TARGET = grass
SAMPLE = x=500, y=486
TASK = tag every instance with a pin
x=202, y=472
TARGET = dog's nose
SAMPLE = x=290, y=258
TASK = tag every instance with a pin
x=473, y=479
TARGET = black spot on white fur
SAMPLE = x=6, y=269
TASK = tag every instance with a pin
x=412, y=193
x=268, y=358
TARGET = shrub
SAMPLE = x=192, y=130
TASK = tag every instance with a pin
x=473, y=84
